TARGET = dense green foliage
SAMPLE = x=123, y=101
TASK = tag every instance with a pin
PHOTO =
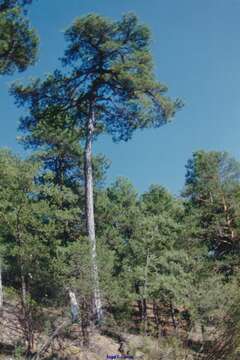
x=18, y=41
x=109, y=69
x=154, y=251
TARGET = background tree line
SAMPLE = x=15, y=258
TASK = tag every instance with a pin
x=165, y=263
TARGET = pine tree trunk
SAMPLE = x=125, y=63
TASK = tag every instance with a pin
x=228, y=218
x=27, y=313
x=24, y=292
x=157, y=318
x=26, y=319
x=85, y=320
x=145, y=289
x=139, y=301
x=74, y=306
x=89, y=208
x=173, y=317
x=1, y=287
x=26, y=310
x=203, y=338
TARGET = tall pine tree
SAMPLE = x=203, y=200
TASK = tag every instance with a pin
x=109, y=87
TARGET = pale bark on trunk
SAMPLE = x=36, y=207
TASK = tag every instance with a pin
x=145, y=289
x=173, y=318
x=74, y=306
x=27, y=314
x=89, y=208
x=228, y=218
x=1, y=286
x=23, y=291
x=26, y=310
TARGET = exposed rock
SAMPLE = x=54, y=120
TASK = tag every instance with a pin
x=11, y=332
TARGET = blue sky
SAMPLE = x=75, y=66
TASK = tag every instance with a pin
x=197, y=54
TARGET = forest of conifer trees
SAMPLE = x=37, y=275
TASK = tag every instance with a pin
x=81, y=259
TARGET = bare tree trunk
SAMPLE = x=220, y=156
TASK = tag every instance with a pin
x=173, y=317
x=85, y=320
x=145, y=289
x=26, y=307
x=27, y=314
x=74, y=306
x=23, y=291
x=157, y=318
x=228, y=218
x=203, y=337
x=89, y=208
x=139, y=301
x=1, y=287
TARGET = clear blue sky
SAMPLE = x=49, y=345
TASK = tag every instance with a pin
x=197, y=54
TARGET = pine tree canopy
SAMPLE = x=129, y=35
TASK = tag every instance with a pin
x=18, y=41
x=109, y=68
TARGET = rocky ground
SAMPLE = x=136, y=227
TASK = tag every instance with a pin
x=67, y=344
